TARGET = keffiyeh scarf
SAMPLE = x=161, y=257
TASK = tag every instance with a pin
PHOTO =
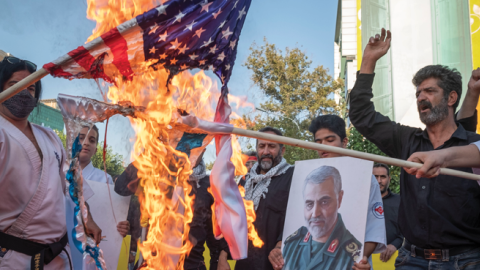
x=199, y=172
x=256, y=185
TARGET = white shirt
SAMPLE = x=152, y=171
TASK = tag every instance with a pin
x=375, y=230
x=93, y=174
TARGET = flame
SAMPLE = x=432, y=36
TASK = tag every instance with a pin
x=251, y=216
x=164, y=171
x=109, y=14
x=164, y=193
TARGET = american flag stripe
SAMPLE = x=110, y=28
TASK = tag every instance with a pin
x=117, y=47
x=82, y=57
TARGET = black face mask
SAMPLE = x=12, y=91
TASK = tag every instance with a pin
x=21, y=105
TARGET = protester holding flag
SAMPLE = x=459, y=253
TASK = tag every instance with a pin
x=177, y=35
x=460, y=156
x=33, y=232
x=439, y=219
x=268, y=186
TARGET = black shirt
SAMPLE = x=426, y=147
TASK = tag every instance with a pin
x=201, y=229
x=268, y=223
x=442, y=212
x=391, y=203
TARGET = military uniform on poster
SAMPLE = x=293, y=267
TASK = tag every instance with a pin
x=340, y=251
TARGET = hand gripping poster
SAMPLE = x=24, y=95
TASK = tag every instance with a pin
x=326, y=214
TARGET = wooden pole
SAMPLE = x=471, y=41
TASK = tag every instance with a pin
x=345, y=152
x=23, y=84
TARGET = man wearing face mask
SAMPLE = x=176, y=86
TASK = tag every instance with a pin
x=33, y=232
x=268, y=186
x=439, y=218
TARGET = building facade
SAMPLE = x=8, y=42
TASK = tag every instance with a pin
x=47, y=114
x=425, y=32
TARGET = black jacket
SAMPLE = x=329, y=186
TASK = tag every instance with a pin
x=391, y=203
x=269, y=223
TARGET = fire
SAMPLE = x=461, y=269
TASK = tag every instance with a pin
x=110, y=13
x=163, y=171
x=251, y=216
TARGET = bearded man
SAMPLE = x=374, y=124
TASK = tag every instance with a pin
x=268, y=186
x=439, y=218
x=324, y=242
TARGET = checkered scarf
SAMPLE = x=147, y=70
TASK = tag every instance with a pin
x=262, y=181
x=199, y=172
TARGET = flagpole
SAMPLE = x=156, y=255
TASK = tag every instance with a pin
x=345, y=152
x=23, y=84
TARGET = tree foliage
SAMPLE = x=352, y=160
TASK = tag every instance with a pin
x=113, y=161
x=295, y=93
x=359, y=143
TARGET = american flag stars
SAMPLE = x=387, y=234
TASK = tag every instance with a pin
x=195, y=34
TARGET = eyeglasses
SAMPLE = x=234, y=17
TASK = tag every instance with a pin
x=14, y=60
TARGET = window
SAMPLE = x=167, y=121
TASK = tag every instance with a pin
x=451, y=36
x=375, y=16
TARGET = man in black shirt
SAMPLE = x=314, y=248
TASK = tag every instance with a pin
x=439, y=217
x=391, y=202
x=268, y=186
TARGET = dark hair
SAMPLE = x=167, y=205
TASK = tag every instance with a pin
x=7, y=69
x=381, y=165
x=331, y=122
x=94, y=127
x=449, y=79
x=274, y=130
x=251, y=153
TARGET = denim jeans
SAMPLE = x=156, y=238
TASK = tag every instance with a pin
x=469, y=260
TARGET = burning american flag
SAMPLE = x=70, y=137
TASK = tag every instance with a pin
x=155, y=46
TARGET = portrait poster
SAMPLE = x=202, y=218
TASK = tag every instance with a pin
x=326, y=213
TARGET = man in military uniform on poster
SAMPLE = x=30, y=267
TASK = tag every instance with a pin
x=324, y=243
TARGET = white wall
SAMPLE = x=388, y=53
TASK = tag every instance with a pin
x=337, y=60
x=411, y=26
x=349, y=27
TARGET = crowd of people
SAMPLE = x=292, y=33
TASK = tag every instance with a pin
x=433, y=223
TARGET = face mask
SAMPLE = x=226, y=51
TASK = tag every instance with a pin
x=21, y=105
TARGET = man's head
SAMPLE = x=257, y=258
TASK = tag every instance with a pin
x=252, y=159
x=269, y=154
x=329, y=130
x=13, y=70
x=382, y=173
x=439, y=89
x=89, y=141
x=322, y=194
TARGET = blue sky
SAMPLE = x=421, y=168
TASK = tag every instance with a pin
x=41, y=31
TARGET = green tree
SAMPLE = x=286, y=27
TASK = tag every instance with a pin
x=359, y=143
x=295, y=93
x=113, y=161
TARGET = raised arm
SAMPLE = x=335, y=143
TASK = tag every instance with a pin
x=379, y=129
x=466, y=114
x=377, y=47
